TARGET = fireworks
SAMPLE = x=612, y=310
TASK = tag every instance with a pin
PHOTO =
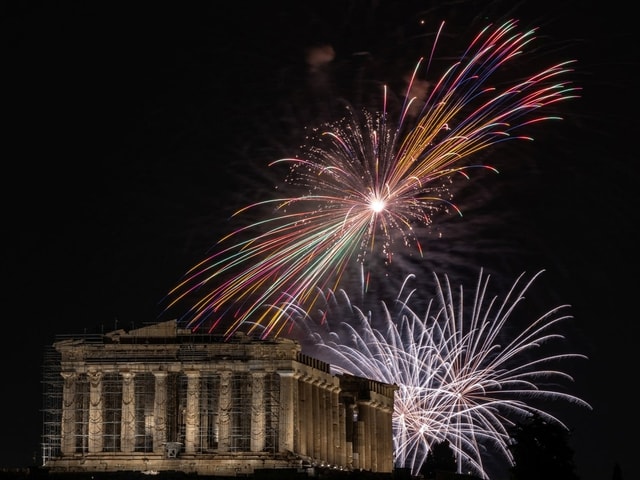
x=364, y=184
x=465, y=370
x=359, y=196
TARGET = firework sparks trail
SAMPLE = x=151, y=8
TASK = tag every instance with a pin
x=460, y=375
x=367, y=183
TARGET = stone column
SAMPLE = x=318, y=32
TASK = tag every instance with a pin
x=257, y=412
x=344, y=453
x=359, y=452
x=68, y=427
x=205, y=427
x=334, y=440
x=374, y=436
x=325, y=422
x=95, y=412
x=385, y=453
x=160, y=412
x=306, y=425
x=316, y=420
x=128, y=418
x=224, y=412
x=192, y=420
x=287, y=428
x=367, y=421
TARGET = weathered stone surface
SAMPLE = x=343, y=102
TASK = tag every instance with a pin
x=160, y=399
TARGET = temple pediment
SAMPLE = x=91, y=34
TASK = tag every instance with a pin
x=168, y=329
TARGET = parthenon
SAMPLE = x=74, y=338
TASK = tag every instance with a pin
x=162, y=398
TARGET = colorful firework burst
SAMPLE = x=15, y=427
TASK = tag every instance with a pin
x=465, y=371
x=364, y=185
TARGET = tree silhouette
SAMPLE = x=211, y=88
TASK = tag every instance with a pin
x=541, y=450
x=617, y=472
x=439, y=459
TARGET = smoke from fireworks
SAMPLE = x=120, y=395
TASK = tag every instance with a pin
x=363, y=185
x=465, y=370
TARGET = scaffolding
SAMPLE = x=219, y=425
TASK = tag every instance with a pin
x=52, y=384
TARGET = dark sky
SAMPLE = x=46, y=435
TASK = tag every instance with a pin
x=132, y=132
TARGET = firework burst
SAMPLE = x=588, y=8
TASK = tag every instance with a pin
x=363, y=185
x=465, y=370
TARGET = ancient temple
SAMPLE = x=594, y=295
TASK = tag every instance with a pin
x=161, y=398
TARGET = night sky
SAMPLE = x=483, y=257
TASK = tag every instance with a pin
x=133, y=132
